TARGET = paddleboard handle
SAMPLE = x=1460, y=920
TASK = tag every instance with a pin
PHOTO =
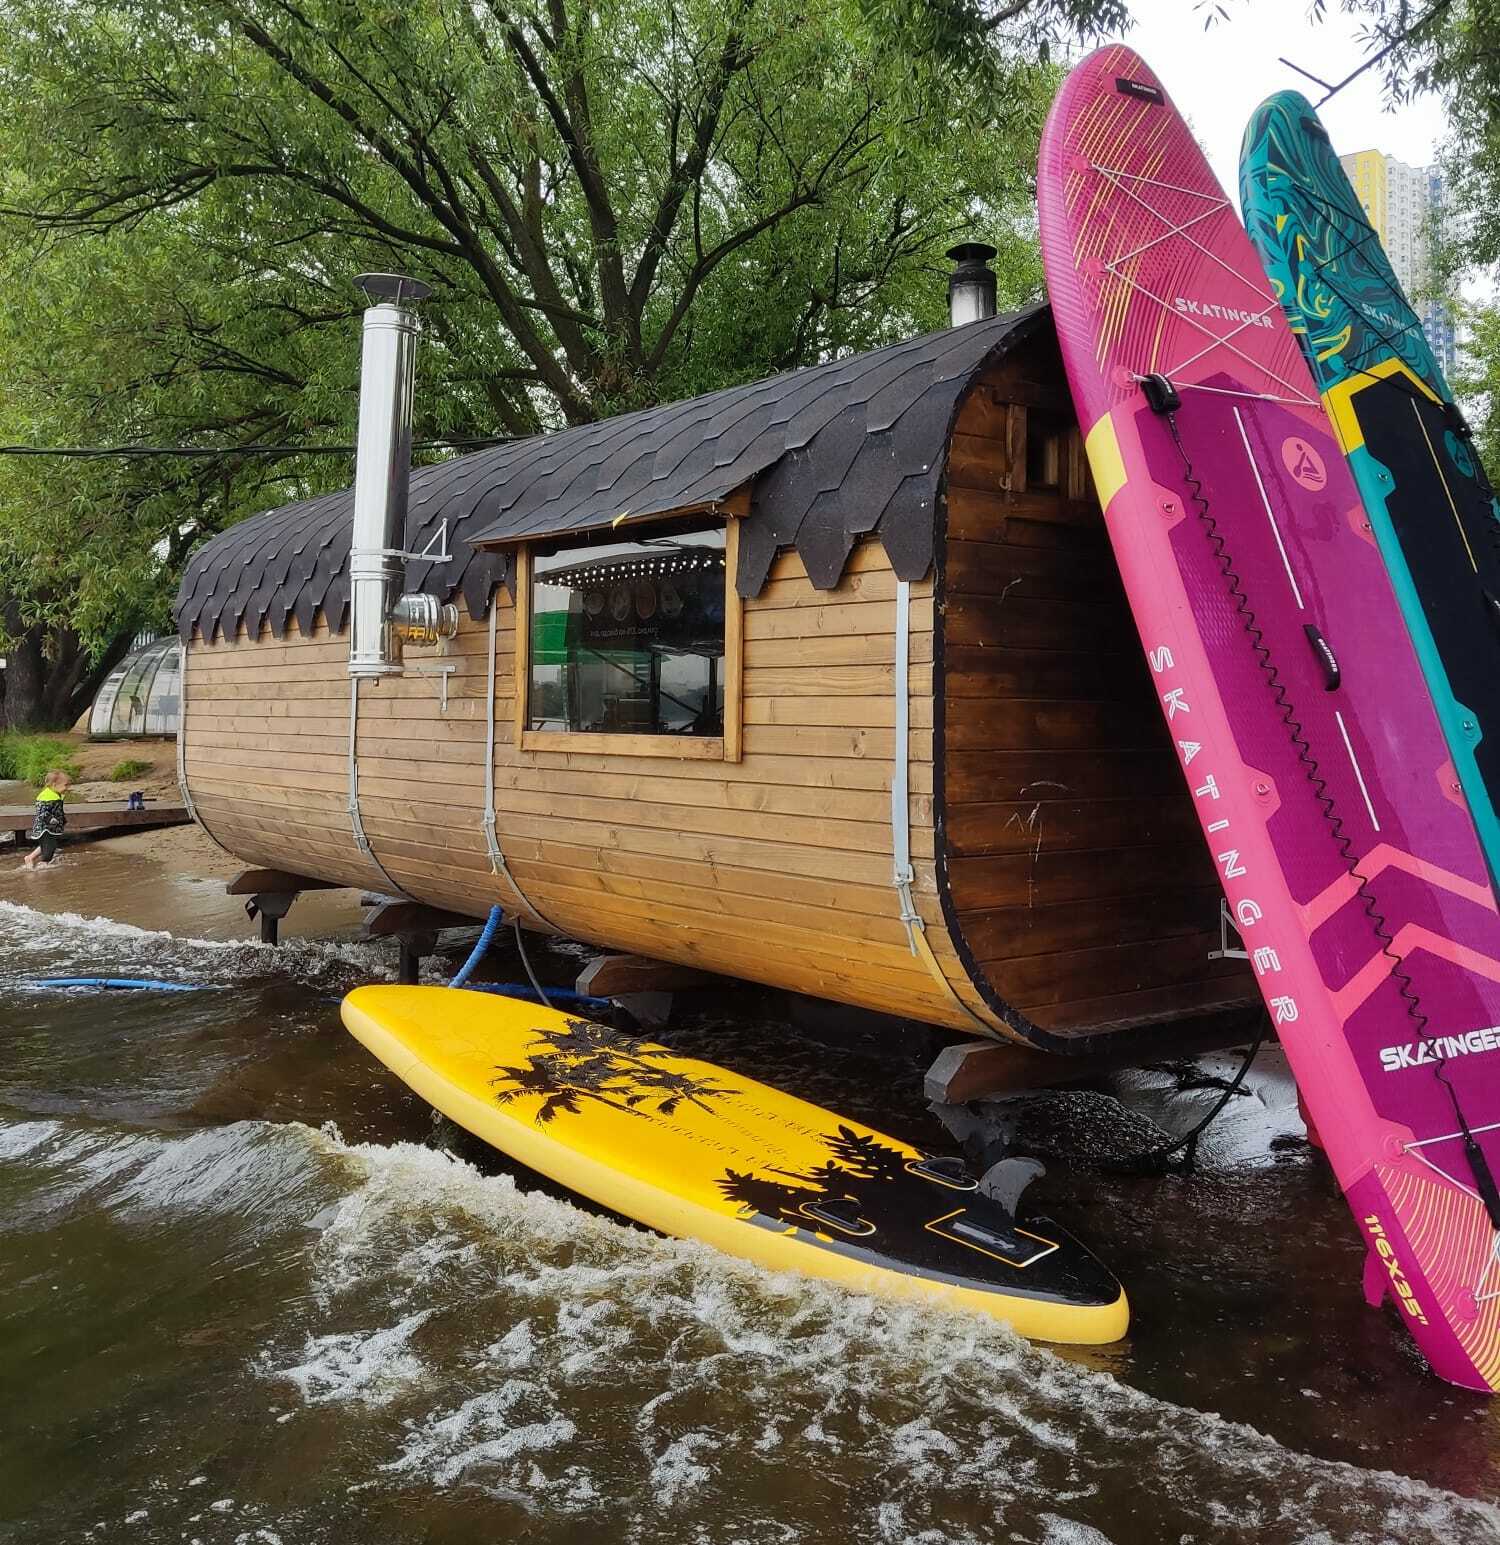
x=1161, y=395
x=1323, y=653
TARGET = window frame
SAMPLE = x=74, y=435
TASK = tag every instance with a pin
x=703, y=748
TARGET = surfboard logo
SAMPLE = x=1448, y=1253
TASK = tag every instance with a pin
x=1204, y=308
x=1305, y=465
x=1420, y=1054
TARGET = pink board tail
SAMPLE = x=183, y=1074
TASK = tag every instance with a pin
x=1322, y=782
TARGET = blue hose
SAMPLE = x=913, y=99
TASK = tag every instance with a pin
x=117, y=981
x=528, y=993
x=486, y=938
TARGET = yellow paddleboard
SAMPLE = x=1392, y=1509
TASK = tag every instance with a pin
x=697, y=1151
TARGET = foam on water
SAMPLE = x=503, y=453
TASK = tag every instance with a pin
x=473, y=1338
x=465, y=1336
x=265, y=1175
x=68, y=943
x=706, y=1367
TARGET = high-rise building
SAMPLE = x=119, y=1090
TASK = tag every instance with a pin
x=1403, y=204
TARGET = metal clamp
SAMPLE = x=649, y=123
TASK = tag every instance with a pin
x=1226, y=951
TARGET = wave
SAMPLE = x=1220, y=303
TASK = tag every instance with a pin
x=522, y=1331
x=474, y=1339
x=68, y=943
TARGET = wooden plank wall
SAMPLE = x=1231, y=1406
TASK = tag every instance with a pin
x=1076, y=868
x=266, y=745
x=776, y=868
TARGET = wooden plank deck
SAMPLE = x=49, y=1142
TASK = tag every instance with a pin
x=99, y=815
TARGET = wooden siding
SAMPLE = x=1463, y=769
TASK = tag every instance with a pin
x=1076, y=874
x=776, y=868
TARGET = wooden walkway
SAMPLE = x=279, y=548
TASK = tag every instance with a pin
x=99, y=815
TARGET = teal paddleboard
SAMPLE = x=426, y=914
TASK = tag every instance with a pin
x=1429, y=504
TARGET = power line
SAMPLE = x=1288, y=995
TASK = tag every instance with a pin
x=141, y=452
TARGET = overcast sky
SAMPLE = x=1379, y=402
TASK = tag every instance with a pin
x=1217, y=77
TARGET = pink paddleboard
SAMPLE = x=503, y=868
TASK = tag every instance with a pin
x=1348, y=857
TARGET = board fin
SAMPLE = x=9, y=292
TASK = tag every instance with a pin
x=1003, y=1183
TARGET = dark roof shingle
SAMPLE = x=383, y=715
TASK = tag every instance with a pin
x=837, y=451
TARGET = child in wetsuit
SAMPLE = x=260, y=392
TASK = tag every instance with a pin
x=50, y=818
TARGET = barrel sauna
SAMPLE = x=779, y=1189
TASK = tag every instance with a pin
x=827, y=682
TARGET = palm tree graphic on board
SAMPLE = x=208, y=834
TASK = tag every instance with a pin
x=859, y=1167
x=583, y=1061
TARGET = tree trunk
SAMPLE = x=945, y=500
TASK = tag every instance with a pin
x=73, y=677
x=49, y=677
x=25, y=671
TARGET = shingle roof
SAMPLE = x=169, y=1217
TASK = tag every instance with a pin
x=837, y=451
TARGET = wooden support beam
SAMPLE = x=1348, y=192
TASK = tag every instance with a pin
x=388, y=919
x=611, y=976
x=271, y=882
x=413, y=947
x=98, y=816
x=977, y=1070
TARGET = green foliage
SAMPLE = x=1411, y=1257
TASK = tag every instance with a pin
x=1452, y=51
x=29, y=758
x=1478, y=384
x=124, y=772
x=615, y=203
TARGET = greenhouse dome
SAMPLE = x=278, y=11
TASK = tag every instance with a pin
x=140, y=696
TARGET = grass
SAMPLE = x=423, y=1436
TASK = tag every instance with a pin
x=123, y=772
x=31, y=757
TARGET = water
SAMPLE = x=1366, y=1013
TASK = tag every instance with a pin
x=250, y=1291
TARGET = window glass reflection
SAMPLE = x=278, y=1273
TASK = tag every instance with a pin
x=628, y=637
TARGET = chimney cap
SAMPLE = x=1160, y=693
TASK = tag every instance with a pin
x=971, y=252
x=395, y=288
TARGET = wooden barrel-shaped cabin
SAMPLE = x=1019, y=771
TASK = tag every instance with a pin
x=826, y=682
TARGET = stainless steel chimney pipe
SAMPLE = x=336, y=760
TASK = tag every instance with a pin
x=382, y=471
x=971, y=285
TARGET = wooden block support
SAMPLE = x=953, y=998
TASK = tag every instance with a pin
x=977, y=1070
x=388, y=919
x=612, y=976
x=271, y=882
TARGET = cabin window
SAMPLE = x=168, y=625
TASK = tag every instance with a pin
x=632, y=645
x=1046, y=436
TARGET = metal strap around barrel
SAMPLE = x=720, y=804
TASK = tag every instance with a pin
x=903, y=876
x=487, y=823
x=362, y=842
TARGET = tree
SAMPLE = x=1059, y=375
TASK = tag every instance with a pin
x=574, y=177
x=110, y=343
x=615, y=203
